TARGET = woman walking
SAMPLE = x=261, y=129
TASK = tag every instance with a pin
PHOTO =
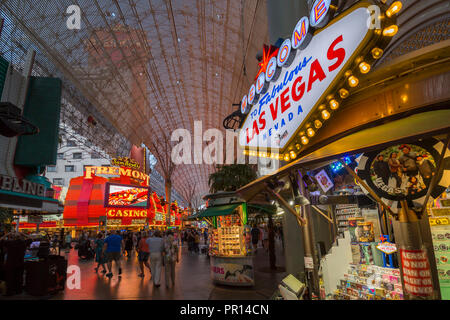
x=170, y=258
x=129, y=245
x=99, y=256
x=156, y=248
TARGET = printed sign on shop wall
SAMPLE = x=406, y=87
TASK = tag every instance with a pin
x=440, y=232
x=416, y=272
x=232, y=273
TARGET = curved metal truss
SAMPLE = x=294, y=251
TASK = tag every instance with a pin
x=150, y=66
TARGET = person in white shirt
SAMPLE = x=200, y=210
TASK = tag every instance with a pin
x=156, y=248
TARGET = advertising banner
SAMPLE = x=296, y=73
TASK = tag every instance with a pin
x=416, y=272
x=440, y=232
x=234, y=271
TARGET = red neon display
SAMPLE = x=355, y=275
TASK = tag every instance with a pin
x=268, y=53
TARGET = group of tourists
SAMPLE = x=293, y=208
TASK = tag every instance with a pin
x=193, y=239
x=154, y=249
x=259, y=235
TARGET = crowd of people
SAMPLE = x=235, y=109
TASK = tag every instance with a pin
x=154, y=249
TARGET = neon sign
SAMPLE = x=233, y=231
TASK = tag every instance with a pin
x=301, y=84
x=115, y=171
x=125, y=162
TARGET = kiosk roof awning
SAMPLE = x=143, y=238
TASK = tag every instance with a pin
x=407, y=129
x=219, y=210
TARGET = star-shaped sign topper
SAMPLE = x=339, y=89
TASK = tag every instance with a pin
x=268, y=53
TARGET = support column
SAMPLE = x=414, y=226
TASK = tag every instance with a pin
x=312, y=270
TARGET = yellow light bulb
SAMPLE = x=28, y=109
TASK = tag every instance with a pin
x=390, y=31
x=298, y=146
x=343, y=93
x=305, y=140
x=377, y=53
x=287, y=157
x=325, y=114
x=394, y=8
x=293, y=155
x=334, y=104
x=317, y=124
x=353, y=81
x=310, y=132
x=364, y=67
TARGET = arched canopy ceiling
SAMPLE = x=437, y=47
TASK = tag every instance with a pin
x=152, y=66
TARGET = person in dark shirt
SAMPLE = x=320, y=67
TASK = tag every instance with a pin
x=14, y=246
x=381, y=169
x=255, y=236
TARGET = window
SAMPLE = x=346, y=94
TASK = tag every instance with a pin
x=60, y=156
x=77, y=155
x=71, y=143
x=95, y=155
x=51, y=168
x=70, y=168
x=58, y=181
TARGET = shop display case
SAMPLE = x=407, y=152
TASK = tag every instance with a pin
x=369, y=282
x=230, y=252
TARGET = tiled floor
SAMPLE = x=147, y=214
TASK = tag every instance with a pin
x=192, y=281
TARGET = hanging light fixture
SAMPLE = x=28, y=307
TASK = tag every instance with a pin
x=334, y=104
x=377, y=53
x=325, y=115
x=304, y=140
x=364, y=67
x=394, y=8
x=390, y=31
x=343, y=93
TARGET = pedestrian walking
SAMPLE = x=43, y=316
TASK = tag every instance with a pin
x=113, y=248
x=68, y=241
x=99, y=256
x=156, y=248
x=170, y=258
x=143, y=254
x=197, y=241
x=255, y=237
x=129, y=245
x=205, y=235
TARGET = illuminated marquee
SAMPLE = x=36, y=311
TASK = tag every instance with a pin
x=300, y=85
x=125, y=162
x=127, y=213
x=115, y=171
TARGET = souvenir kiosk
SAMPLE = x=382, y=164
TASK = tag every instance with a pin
x=229, y=247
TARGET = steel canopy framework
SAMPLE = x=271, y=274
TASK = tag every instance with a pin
x=151, y=66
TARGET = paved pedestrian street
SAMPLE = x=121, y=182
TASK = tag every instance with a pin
x=192, y=281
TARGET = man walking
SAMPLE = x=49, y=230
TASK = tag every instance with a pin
x=170, y=258
x=156, y=248
x=143, y=254
x=68, y=241
x=113, y=249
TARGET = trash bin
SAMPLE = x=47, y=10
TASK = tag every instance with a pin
x=46, y=276
x=36, y=277
x=57, y=271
